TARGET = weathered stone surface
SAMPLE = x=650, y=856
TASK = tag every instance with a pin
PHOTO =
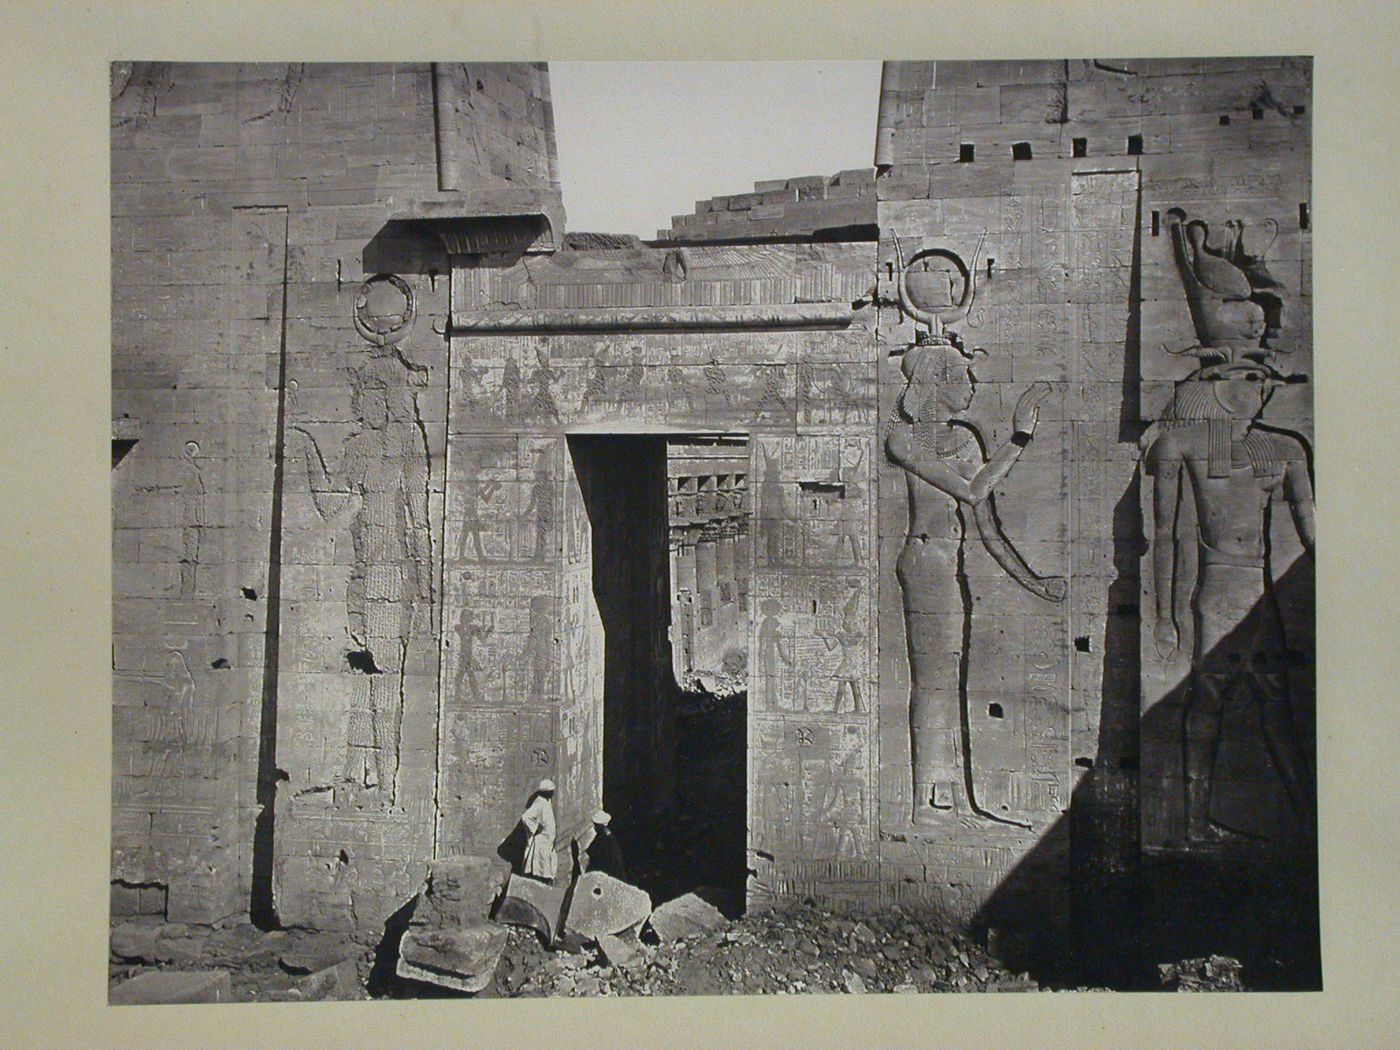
x=182, y=945
x=306, y=952
x=135, y=941
x=529, y=902
x=685, y=915
x=464, y=958
x=460, y=891
x=163, y=987
x=888, y=551
x=602, y=905
x=336, y=983
x=622, y=952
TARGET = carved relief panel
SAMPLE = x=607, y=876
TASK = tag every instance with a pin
x=1227, y=625
x=1005, y=322
x=358, y=674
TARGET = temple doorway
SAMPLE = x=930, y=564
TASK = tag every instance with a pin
x=671, y=562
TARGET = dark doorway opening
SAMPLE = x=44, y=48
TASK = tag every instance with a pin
x=668, y=516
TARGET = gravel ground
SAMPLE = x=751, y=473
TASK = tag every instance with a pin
x=799, y=949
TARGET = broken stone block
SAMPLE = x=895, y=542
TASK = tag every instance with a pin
x=602, y=904
x=464, y=959
x=180, y=944
x=161, y=987
x=684, y=916
x=529, y=902
x=336, y=983
x=135, y=941
x=242, y=944
x=460, y=891
x=621, y=952
x=310, y=952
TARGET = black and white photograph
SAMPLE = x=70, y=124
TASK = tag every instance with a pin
x=718, y=527
x=897, y=578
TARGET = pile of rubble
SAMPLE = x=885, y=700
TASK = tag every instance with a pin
x=476, y=929
x=1217, y=973
x=799, y=949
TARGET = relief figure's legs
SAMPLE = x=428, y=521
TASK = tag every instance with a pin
x=936, y=745
x=934, y=628
x=1285, y=747
x=1202, y=717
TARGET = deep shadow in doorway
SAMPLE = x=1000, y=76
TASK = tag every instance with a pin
x=674, y=770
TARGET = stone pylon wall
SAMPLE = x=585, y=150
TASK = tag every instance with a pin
x=1053, y=183
x=353, y=610
x=249, y=202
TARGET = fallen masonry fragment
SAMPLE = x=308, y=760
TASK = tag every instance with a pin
x=306, y=952
x=529, y=902
x=336, y=983
x=684, y=916
x=459, y=891
x=464, y=959
x=622, y=952
x=1217, y=973
x=603, y=905
x=165, y=987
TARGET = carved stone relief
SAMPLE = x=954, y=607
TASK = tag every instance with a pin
x=950, y=478
x=1236, y=304
x=1230, y=509
x=1219, y=471
x=376, y=485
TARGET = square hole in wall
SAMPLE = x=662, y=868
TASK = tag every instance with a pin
x=1134, y=145
x=1020, y=151
x=967, y=152
x=1079, y=147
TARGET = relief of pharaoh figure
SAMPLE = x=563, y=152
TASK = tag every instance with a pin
x=1212, y=450
x=380, y=484
x=951, y=481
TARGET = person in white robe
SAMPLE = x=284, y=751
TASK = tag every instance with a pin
x=538, y=818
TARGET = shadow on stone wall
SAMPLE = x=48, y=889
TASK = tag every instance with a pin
x=1255, y=901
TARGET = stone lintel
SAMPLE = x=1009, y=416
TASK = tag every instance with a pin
x=685, y=318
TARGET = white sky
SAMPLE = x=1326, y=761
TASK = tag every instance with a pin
x=642, y=141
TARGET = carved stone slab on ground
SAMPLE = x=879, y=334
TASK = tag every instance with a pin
x=464, y=959
x=603, y=905
x=685, y=915
x=162, y=987
x=460, y=891
x=529, y=902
